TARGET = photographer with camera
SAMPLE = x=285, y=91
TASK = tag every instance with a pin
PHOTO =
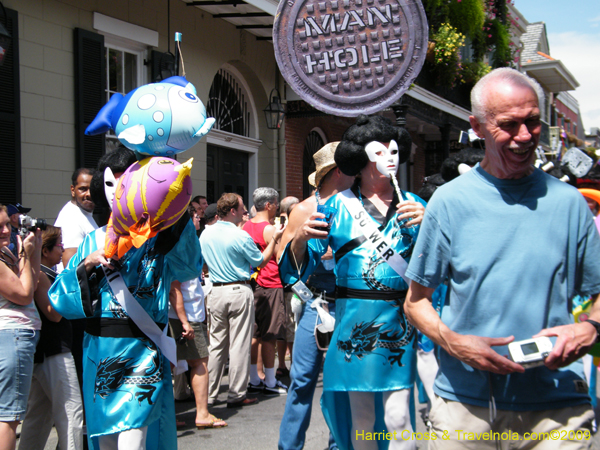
x=19, y=325
x=54, y=398
x=14, y=213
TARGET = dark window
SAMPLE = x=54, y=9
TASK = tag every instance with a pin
x=313, y=144
x=226, y=171
x=434, y=157
x=10, y=116
x=121, y=78
x=226, y=103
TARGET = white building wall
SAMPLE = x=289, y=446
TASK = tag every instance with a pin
x=47, y=84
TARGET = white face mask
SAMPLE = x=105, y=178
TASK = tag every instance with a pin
x=110, y=186
x=385, y=158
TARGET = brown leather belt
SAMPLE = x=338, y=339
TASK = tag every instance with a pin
x=231, y=282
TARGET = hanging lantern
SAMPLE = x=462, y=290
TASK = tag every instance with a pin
x=274, y=112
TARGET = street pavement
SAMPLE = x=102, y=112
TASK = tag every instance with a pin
x=253, y=427
x=256, y=427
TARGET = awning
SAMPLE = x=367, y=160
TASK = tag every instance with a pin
x=551, y=74
x=256, y=16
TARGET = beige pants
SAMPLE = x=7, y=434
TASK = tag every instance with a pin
x=564, y=429
x=231, y=326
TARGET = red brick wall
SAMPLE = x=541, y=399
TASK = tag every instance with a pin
x=296, y=131
x=568, y=112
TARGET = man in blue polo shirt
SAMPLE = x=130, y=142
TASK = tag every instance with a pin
x=515, y=245
x=229, y=253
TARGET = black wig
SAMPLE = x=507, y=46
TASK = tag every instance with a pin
x=350, y=155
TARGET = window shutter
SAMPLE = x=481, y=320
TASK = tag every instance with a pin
x=10, y=117
x=90, y=96
x=163, y=65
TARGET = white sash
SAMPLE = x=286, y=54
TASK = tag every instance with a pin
x=370, y=230
x=134, y=310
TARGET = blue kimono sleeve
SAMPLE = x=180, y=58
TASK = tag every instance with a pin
x=288, y=273
x=184, y=262
x=72, y=293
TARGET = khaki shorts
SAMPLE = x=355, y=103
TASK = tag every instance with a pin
x=564, y=429
x=196, y=348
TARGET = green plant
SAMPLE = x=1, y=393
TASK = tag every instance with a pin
x=467, y=16
x=448, y=41
x=498, y=41
x=446, y=60
x=474, y=71
x=495, y=34
x=486, y=23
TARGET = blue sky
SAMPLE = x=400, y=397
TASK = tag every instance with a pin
x=573, y=29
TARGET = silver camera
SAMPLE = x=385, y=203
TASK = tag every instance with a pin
x=530, y=352
x=302, y=292
x=28, y=224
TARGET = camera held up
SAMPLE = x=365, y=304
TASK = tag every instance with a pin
x=27, y=224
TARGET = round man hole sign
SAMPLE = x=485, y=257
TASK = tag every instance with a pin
x=350, y=57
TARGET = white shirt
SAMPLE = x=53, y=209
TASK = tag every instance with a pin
x=193, y=301
x=76, y=224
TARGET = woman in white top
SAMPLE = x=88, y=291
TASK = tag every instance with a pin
x=19, y=326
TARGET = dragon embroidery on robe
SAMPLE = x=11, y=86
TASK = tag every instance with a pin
x=114, y=372
x=367, y=337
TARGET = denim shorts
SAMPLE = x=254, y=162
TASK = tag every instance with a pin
x=17, y=347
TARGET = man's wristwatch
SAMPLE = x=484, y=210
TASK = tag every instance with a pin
x=597, y=327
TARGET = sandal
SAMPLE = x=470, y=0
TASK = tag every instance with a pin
x=216, y=423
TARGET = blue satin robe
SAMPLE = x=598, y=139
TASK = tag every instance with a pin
x=373, y=347
x=127, y=381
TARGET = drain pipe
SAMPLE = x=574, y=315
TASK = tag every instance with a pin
x=281, y=144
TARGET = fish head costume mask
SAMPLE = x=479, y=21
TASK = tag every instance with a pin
x=151, y=196
x=157, y=119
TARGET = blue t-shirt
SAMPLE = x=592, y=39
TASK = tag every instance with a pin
x=515, y=253
x=229, y=252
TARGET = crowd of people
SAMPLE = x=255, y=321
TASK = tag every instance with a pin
x=496, y=256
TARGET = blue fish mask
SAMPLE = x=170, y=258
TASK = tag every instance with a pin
x=157, y=119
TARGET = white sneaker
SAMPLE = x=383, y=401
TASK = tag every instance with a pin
x=278, y=389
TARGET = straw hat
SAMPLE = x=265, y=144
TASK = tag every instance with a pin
x=324, y=162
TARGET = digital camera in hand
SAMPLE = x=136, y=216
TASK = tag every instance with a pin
x=530, y=352
x=27, y=224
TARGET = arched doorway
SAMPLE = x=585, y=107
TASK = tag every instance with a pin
x=314, y=142
x=227, y=104
x=227, y=168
